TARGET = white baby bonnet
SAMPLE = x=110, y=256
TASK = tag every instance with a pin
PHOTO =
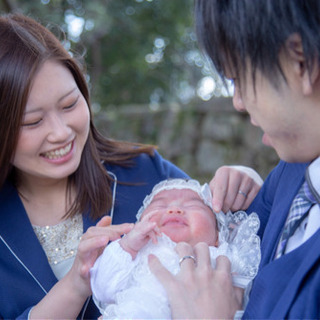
x=202, y=190
x=238, y=237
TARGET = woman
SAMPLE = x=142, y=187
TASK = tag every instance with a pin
x=59, y=178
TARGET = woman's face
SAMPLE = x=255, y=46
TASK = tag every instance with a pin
x=183, y=216
x=55, y=126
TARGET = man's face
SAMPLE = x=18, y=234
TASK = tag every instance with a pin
x=284, y=113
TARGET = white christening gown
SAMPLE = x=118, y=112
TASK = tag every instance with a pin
x=126, y=289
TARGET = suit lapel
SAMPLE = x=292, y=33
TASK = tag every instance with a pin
x=280, y=209
x=278, y=283
x=307, y=255
x=281, y=279
x=18, y=234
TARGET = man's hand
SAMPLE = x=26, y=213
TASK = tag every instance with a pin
x=198, y=291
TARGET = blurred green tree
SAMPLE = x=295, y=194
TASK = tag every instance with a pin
x=137, y=51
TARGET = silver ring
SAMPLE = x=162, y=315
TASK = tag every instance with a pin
x=187, y=257
x=243, y=193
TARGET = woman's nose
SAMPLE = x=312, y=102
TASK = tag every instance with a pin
x=58, y=130
x=237, y=100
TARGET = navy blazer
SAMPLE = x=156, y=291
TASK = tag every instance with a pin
x=25, y=273
x=288, y=287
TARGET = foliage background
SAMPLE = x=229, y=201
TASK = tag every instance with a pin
x=150, y=83
x=137, y=51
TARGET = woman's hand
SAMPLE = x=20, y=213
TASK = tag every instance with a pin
x=91, y=246
x=234, y=188
x=198, y=291
x=66, y=298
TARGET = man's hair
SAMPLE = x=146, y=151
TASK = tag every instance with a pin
x=232, y=31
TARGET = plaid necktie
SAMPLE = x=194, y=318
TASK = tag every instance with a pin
x=299, y=209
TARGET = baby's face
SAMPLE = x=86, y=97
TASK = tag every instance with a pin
x=183, y=216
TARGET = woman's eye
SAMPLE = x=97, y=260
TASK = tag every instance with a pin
x=31, y=123
x=71, y=105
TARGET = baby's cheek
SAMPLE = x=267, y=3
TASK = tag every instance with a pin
x=155, y=218
x=152, y=217
x=206, y=232
x=148, y=214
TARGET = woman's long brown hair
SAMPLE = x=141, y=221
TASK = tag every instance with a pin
x=25, y=46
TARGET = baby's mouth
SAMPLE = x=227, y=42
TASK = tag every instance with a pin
x=174, y=221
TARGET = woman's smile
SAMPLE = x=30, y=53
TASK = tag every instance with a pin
x=58, y=153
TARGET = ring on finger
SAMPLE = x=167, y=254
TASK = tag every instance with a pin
x=187, y=257
x=243, y=193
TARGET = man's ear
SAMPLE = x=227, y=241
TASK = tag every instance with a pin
x=294, y=49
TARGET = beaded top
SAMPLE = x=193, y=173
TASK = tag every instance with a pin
x=60, y=241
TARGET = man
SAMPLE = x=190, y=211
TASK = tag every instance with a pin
x=270, y=49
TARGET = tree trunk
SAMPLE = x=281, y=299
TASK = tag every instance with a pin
x=10, y=5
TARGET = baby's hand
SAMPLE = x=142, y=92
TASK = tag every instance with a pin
x=139, y=236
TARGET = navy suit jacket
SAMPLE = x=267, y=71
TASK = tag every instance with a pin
x=21, y=251
x=288, y=287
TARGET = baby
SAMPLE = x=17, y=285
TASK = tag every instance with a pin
x=176, y=210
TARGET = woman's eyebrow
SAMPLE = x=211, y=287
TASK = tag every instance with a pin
x=67, y=94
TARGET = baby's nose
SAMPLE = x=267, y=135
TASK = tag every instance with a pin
x=175, y=209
